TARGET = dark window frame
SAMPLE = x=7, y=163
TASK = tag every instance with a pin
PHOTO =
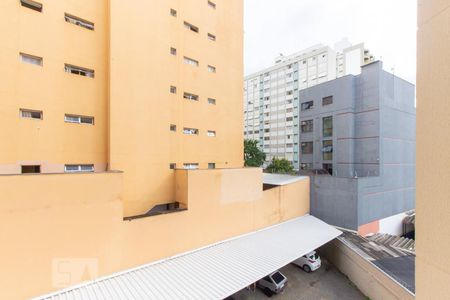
x=33, y=5
x=307, y=127
x=327, y=100
x=304, y=147
x=327, y=126
x=307, y=105
x=327, y=150
x=30, y=169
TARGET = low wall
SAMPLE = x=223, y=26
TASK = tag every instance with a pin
x=47, y=219
x=59, y=230
x=372, y=282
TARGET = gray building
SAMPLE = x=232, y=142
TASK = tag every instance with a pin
x=361, y=130
x=271, y=95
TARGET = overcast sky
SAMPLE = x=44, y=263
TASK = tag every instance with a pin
x=387, y=27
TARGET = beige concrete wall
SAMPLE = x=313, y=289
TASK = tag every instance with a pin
x=51, y=142
x=221, y=204
x=433, y=162
x=142, y=107
x=44, y=218
x=372, y=282
x=78, y=217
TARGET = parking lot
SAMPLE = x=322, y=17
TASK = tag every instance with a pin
x=327, y=283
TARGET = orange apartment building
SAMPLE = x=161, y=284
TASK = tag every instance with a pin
x=122, y=147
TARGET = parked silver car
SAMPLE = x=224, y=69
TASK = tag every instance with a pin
x=273, y=283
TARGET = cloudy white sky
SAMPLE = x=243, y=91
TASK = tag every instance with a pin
x=387, y=27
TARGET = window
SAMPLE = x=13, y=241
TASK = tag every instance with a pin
x=190, y=96
x=327, y=150
x=267, y=278
x=173, y=51
x=190, y=61
x=79, y=71
x=212, y=101
x=190, y=131
x=191, y=166
x=288, y=119
x=306, y=166
x=79, y=22
x=173, y=166
x=79, y=119
x=211, y=69
x=327, y=126
x=307, y=126
x=31, y=59
x=211, y=165
x=328, y=168
x=32, y=5
x=327, y=100
x=278, y=277
x=173, y=127
x=31, y=114
x=173, y=89
x=78, y=168
x=173, y=12
x=31, y=169
x=212, y=4
x=307, y=148
x=211, y=133
x=211, y=37
x=307, y=105
x=191, y=27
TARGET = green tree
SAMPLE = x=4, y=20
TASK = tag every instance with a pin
x=253, y=156
x=280, y=166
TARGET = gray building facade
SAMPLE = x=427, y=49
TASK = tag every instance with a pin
x=361, y=130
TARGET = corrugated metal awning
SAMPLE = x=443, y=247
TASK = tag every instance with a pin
x=213, y=272
x=280, y=179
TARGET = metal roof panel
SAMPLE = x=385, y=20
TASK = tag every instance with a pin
x=212, y=272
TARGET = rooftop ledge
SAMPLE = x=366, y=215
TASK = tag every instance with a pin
x=63, y=173
x=281, y=179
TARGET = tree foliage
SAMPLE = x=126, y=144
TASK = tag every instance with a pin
x=280, y=166
x=253, y=156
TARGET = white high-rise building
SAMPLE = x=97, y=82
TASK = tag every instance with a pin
x=271, y=95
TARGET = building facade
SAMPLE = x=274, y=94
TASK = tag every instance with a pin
x=433, y=163
x=271, y=95
x=361, y=130
x=122, y=140
x=77, y=97
x=195, y=70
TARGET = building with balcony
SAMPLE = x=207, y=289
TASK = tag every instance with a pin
x=357, y=141
x=122, y=150
x=271, y=95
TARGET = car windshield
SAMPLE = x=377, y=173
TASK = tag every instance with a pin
x=277, y=277
x=313, y=256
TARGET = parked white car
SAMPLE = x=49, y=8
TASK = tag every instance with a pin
x=309, y=262
x=273, y=283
